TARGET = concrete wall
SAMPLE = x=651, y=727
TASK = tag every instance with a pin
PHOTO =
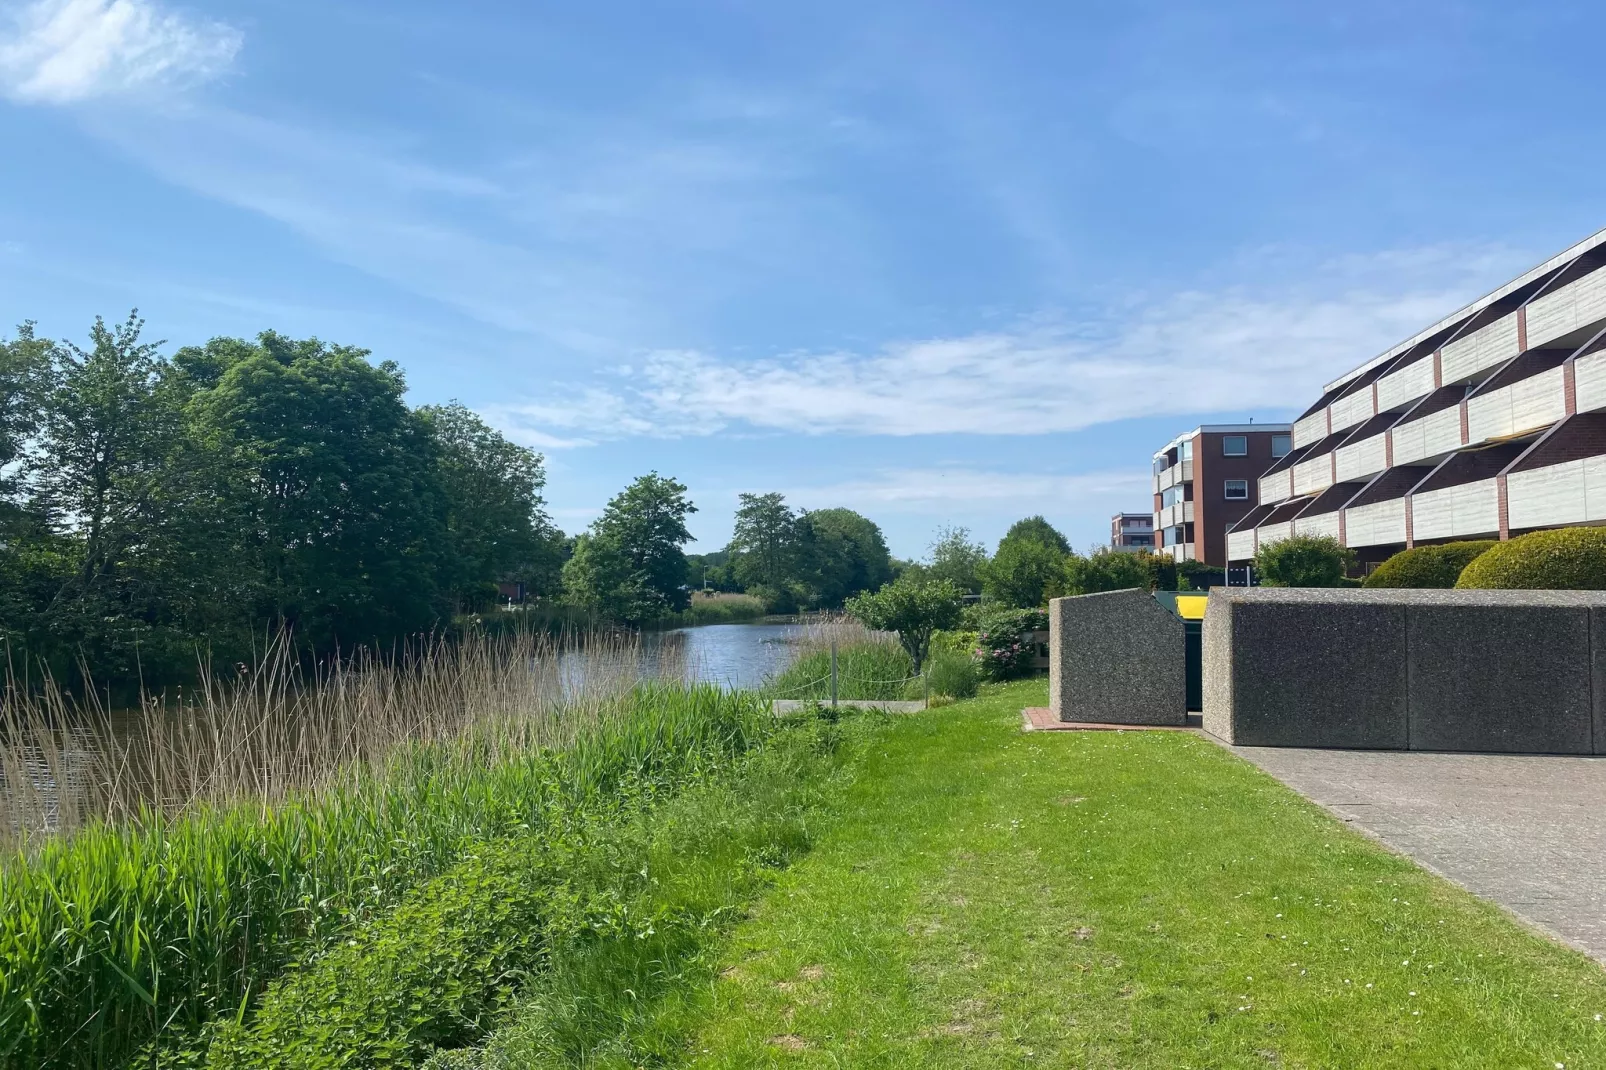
x=1518, y=672
x=1116, y=658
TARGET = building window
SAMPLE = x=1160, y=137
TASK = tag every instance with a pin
x=1170, y=496
x=1235, y=446
x=1281, y=444
x=1237, y=489
x=1185, y=451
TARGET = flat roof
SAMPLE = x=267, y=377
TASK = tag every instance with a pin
x=1217, y=429
x=1475, y=307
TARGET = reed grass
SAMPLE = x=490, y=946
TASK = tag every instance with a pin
x=166, y=865
x=870, y=664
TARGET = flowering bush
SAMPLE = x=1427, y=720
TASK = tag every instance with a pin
x=1001, y=652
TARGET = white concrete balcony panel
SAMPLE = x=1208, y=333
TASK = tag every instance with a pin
x=1430, y=436
x=1310, y=429
x=1171, y=516
x=1352, y=410
x=1468, y=509
x=1320, y=524
x=1589, y=379
x=1406, y=384
x=1240, y=545
x=1267, y=534
x=1485, y=347
x=1526, y=405
x=1580, y=303
x=1279, y=486
x=1313, y=475
x=1182, y=551
x=1573, y=492
x=1378, y=524
x=1358, y=460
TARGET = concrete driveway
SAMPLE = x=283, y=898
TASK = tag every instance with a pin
x=1528, y=832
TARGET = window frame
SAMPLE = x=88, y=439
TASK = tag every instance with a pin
x=1227, y=451
x=1227, y=494
x=1288, y=439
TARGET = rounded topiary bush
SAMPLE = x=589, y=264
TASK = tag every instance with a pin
x=1428, y=566
x=1567, y=559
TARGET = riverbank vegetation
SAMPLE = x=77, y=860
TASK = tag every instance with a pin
x=412, y=841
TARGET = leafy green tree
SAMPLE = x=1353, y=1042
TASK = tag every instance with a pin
x=1036, y=529
x=496, y=522
x=765, y=549
x=631, y=566
x=912, y=606
x=955, y=558
x=1028, y=566
x=25, y=380
x=844, y=553
x=1304, y=561
x=334, y=484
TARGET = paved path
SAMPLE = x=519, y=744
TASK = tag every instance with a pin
x=1526, y=832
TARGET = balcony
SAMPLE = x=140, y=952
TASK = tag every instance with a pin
x=1589, y=378
x=1562, y=479
x=1569, y=308
x=1461, y=497
x=1313, y=475
x=1405, y=384
x=1376, y=516
x=1432, y=429
x=1277, y=487
x=1312, y=428
x=1351, y=409
x=1527, y=395
x=1177, y=473
x=1240, y=545
x=1362, y=459
x=1171, y=516
x=1489, y=345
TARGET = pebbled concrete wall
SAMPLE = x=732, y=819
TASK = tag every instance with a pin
x=1116, y=658
x=1517, y=672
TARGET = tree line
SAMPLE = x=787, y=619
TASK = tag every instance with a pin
x=158, y=510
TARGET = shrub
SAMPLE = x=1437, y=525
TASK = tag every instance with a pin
x=1567, y=559
x=1304, y=561
x=1108, y=570
x=954, y=675
x=913, y=606
x=1428, y=566
x=1001, y=653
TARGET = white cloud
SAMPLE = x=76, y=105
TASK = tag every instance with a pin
x=1191, y=353
x=64, y=51
x=938, y=490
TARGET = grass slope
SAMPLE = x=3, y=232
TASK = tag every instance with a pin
x=987, y=897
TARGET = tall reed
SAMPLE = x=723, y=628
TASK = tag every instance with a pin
x=167, y=864
x=870, y=664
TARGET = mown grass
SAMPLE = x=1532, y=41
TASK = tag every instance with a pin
x=991, y=898
x=137, y=934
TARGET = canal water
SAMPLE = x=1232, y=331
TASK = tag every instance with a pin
x=732, y=655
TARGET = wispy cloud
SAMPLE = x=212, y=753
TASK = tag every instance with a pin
x=941, y=489
x=1192, y=352
x=64, y=51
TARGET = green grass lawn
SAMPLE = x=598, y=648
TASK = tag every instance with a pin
x=986, y=897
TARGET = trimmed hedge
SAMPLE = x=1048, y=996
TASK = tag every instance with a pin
x=1566, y=559
x=1428, y=566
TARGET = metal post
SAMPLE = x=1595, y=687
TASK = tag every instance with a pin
x=833, y=674
x=925, y=687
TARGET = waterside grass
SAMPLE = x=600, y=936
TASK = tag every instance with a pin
x=152, y=918
x=870, y=665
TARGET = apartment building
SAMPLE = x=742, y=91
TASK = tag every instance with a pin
x=1205, y=482
x=1132, y=531
x=1489, y=423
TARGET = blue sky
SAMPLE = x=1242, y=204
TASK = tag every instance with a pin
x=939, y=262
